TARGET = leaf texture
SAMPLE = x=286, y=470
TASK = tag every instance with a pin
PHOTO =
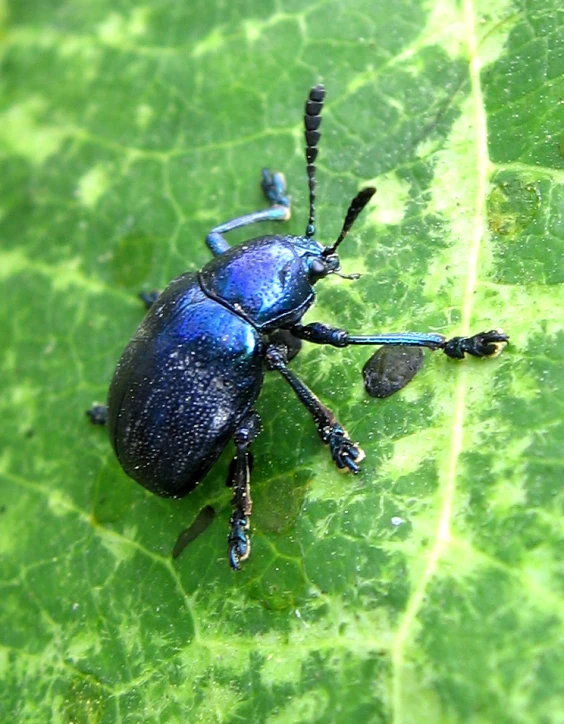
x=428, y=588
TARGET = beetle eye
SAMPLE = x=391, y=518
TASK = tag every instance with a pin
x=318, y=268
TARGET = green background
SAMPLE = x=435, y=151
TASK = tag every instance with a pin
x=428, y=588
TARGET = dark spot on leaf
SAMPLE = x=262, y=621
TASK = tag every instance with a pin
x=280, y=501
x=390, y=369
x=203, y=520
x=512, y=206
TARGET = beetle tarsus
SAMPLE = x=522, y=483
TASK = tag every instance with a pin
x=239, y=544
x=344, y=451
x=98, y=414
x=483, y=344
x=273, y=185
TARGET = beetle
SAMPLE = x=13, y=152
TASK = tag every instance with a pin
x=187, y=381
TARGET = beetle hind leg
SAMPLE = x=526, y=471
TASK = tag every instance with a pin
x=239, y=478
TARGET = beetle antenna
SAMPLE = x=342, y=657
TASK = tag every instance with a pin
x=357, y=205
x=312, y=121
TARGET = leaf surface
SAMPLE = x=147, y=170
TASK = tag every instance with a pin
x=428, y=588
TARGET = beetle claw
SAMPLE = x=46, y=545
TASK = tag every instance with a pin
x=274, y=187
x=349, y=460
x=98, y=414
x=483, y=344
x=239, y=543
x=344, y=451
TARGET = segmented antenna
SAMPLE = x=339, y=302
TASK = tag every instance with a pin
x=357, y=205
x=312, y=121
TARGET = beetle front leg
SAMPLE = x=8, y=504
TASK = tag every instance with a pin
x=273, y=185
x=346, y=454
x=239, y=478
x=483, y=344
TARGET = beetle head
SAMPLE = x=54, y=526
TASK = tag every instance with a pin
x=317, y=263
x=323, y=260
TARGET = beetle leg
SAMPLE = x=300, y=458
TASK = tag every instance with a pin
x=97, y=414
x=483, y=344
x=286, y=338
x=239, y=543
x=346, y=454
x=149, y=298
x=274, y=188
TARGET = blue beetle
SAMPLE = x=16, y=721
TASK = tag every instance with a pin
x=188, y=379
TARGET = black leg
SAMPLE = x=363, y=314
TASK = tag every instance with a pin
x=286, y=338
x=239, y=543
x=97, y=414
x=484, y=344
x=346, y=454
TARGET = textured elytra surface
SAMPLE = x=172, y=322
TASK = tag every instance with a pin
x=429, y=588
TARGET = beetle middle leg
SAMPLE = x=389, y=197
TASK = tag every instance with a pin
x=274, y=188
x=346, y=454
x=239, y=478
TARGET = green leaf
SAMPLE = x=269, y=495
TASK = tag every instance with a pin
x=428, y=588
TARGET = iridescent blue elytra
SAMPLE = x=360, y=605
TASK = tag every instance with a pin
x=185, y=380
x=188, y=379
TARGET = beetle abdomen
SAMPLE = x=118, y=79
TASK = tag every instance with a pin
x=188, y=376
